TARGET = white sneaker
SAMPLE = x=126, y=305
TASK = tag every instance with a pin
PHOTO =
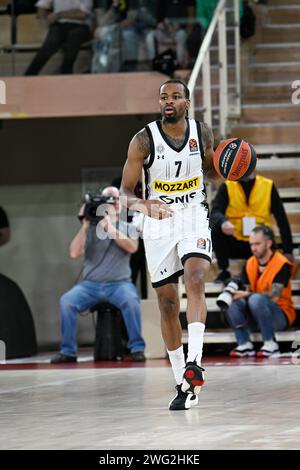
x=268, y=349
x=243, y=350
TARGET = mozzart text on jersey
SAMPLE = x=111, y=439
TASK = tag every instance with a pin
x=175, y=187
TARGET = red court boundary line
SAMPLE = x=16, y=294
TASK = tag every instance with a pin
x=207, y=362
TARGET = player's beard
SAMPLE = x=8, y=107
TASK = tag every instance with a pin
x=170, y=119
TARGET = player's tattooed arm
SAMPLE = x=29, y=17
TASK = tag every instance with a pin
x=139, y=149
x=207, y=136
x=143, y=142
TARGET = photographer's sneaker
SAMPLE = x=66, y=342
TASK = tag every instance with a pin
x=243, y=350
x=193, y=378
x=182, y=400
x=268, y=349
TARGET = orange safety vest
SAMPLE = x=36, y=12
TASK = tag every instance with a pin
x=263, y=283
x=258, y=205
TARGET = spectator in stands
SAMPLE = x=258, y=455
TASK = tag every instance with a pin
x=107, y=56
x=267, y=302
x=121, y=30
x=106, y=278
x=237, y=208
x=174, y=20
x=4, y=227
x=141, y=20
x=68, y=27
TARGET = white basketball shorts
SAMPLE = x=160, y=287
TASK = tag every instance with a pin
x=170, y=242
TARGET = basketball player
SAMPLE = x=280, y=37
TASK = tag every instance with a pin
x=175, y=152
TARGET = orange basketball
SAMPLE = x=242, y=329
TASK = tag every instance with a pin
x=234, y=159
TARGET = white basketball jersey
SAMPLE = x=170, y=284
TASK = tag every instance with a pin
x=172, y=175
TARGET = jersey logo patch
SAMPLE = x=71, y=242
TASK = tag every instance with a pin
x=193, y=145
x=160, y=148
x=201, y=243
x=175, y=187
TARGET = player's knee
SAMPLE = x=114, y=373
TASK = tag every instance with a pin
x=194, y=280
x=168, y=305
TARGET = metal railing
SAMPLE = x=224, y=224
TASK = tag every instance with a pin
x=229, y=103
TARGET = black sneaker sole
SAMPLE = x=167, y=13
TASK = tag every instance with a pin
x=192, y=380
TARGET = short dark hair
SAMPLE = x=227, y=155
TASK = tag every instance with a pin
x=267, y=233
x=176, y=80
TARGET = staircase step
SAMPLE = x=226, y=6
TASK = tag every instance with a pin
x=282, y=52
x=255, y=113
x=281, y=33
x=214, y=75
x=286, y=14
x=270, y=112
x=212, y=306
x=284, y=179
x=281, y=3
x=214, y=95
x=216, y=287
x=214, y=55
x=289, y=193
x=278, y=150
x=185, y=74
x=224, y=336
x=270, y=72
x=229, y=36
x=262, y=92
x=269, y=132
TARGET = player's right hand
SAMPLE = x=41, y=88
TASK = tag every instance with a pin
x=157, y=209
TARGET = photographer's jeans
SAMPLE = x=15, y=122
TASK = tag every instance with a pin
x=256, y=312
x=85, y=295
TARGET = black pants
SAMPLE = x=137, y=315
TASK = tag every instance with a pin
x=227, y=246
x=69, y=35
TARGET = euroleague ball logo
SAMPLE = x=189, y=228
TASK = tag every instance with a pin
x=242, y=163
x=233, y=145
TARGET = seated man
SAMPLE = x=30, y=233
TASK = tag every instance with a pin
x=237, y=208
x=267, y=302
x=4, y=227
x=175, y=19
x=121, y=30
x=68, y=25
x=106, y=278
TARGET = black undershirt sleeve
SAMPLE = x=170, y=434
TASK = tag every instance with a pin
x=279, y=213
x=219, y=206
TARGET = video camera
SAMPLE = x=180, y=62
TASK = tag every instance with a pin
x=92, y=202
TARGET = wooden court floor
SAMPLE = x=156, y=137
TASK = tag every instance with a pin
x=245, y=404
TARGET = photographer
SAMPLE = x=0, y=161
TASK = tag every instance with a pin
x=267, y=302
x=106, y=278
